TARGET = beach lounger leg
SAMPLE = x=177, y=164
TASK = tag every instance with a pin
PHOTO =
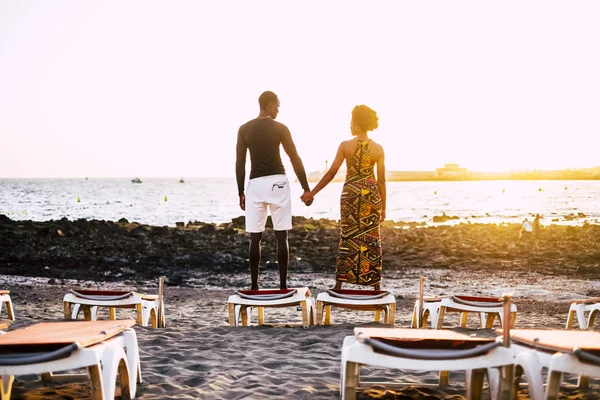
x=112, y=313
x=149, y=313
x=507, y=382
x=245, y=317
x=415, y=319
x=350, y=380
x=95, y=374
x=583, y=381
x=553, y=384
x=444, y=379
x=489, y=319
x=527, y=362
x=140, y=314
x=463, y=319
x=319, y=312
x=440, y=318
x=425, y=318
x=133, y=355
x=87, y=313
x=482, y=319
x=581, y=320
x=68, y=312
x=570, y=317
x=392, y=316
x=261, y=315
x=6, y=386
x=305, y=314
x=154, y=318
x=232, y=321
x=327, y=315
x=114, y=363
x=590, y=322
x=474, y=383
x=378, y=315
x=513, y=319
x=9, y=309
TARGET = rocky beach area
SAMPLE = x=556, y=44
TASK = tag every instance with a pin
x=126, y=251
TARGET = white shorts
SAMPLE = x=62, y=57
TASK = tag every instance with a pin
x=271, y=191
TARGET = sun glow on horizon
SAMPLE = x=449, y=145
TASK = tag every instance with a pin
x=163, y=92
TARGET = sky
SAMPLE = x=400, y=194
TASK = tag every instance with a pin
x=159, y=89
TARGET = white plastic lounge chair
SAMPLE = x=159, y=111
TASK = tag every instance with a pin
x=106, y=348
x=579, y=308
x=361, y=300
x=88, y=301
x=426, y=350
x=488, y=308
x=241, y=304
x=575, y=352
x=5, y=300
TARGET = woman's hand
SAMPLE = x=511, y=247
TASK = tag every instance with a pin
x=382, y=216
x=307, y=198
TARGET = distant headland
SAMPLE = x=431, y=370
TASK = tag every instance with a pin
x=454, y=172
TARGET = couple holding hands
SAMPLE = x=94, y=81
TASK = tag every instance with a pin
x=362, y=202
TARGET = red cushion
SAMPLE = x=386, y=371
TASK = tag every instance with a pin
x=480, y=298
x=267, y=291
x=359, y=292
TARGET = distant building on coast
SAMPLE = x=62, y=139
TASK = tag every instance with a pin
x=452, y=171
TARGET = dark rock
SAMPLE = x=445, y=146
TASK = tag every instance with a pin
x=4, y=220
x=180, y=224
x=123, y=221
x=52, y=281
x=174, y=280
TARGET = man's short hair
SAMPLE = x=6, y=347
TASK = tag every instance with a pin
x=267, y=98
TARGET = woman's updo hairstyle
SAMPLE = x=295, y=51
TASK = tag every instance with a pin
x=365, y=118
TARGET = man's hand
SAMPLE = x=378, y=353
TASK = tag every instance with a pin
x=243, y=202
x=307, y=198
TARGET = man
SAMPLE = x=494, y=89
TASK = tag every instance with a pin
x=268, y=186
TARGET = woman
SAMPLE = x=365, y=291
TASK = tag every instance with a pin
x=362, y=202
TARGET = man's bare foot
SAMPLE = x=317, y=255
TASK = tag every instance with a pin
x=283, y=287
x=377, y=287
x=254, y=288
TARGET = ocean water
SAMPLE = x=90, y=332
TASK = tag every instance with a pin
x=166, y=201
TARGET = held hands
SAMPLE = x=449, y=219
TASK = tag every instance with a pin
x=307, y=198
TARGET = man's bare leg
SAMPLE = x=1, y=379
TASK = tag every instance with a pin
x=254, y=255
x=338, y=285
x=283, y=257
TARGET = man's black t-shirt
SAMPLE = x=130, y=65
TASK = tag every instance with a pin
x=263, y=136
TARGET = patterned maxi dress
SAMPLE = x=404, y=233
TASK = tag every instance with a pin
x=359, y=252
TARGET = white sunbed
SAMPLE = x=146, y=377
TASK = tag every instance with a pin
x=88, y=301
x=574, y=352
x=5, y=301
x=106, y=348
x=379, y=301
x=579, y=308
x=426, y=350
x=487, y=308
x=241, y=303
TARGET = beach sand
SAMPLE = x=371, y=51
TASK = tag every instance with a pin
x=198, y=356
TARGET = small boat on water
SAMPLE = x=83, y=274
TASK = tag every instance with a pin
x=181, y=180
x=136, y=180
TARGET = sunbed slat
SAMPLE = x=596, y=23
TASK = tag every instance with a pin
x=567, y=340
x=86, y=333
x=420, y=334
